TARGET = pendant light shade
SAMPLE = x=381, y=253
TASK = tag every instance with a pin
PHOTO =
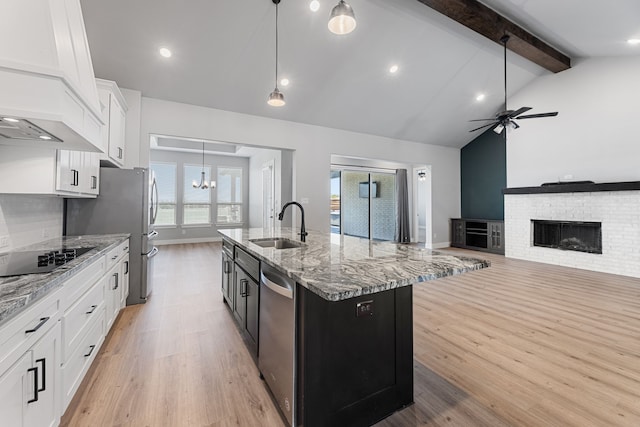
x=342, y=19
x=276, y=98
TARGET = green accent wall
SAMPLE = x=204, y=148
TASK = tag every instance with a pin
x=483, y=175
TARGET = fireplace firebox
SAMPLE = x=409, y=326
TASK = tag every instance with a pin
x=568, y=235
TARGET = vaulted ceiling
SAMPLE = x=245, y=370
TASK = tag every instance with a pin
x=224, y=57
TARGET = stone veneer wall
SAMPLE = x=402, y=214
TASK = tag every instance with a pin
x=618, y=211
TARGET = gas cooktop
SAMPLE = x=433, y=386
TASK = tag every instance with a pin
x=29, y=262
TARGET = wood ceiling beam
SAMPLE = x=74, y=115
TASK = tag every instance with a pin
x=486, y=21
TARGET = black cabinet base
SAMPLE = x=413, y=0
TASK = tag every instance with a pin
x=355, y=358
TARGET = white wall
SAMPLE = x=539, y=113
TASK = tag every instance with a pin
x=595, y=135
x=312, y=159
x=25, y=220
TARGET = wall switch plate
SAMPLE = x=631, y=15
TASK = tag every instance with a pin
x=4, y=241
x=304, y=201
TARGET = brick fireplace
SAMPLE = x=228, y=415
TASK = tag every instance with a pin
x=615, y=209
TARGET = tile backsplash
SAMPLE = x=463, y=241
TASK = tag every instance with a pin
x=26, y=219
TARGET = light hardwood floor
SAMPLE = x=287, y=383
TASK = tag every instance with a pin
x=517, y=344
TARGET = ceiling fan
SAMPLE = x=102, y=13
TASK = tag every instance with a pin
x=506, y=118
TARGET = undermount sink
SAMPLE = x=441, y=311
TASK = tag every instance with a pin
x=277, y=242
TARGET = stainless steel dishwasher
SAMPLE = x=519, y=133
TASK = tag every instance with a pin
x=277, y=337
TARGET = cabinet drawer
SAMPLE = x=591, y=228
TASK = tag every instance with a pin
x=248, y=263
x=78, y=362
x=22, y=332
x=114, y=254
x=77, y=319
x=80, y=282
x=227, y=247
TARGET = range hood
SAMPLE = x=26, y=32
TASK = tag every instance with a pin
x=49, y=96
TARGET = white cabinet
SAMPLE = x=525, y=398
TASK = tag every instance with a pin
x=42, y=405
x=46, y=74
x=114, y=110
x=117, y=285
x=46, y=351
x=13, y=388
x=32, y=170
x=30, y=366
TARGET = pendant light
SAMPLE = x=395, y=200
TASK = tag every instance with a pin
x=342, y=19
x=204, y=185
x=276, y=98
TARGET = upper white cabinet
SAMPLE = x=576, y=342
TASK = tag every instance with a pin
x=46, y=77
x=114, y=110
x=34, y=170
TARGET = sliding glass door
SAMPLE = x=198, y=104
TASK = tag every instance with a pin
x=363, y=204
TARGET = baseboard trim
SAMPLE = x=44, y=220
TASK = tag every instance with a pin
x=440, y=245
x=183, y=241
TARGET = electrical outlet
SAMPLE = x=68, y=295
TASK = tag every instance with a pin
x=304, y=201
x=4, y=241
x=184, y=231
x=45, y=233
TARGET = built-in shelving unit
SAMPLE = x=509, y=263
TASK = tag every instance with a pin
x=478, y=234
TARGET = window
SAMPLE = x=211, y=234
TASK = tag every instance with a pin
x=196, y=202
x=229, y=190
x=166, y=181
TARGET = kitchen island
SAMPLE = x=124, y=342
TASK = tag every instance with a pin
x=353, y=328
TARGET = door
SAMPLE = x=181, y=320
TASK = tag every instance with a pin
x=43, y=411
x=16, y=385
x=240, y=282
x=252, y=294
x=268, y=190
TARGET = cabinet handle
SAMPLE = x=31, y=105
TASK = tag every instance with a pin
x=126, y=264
x=93, y=308
x=43, y=362
x=119, y=153
x=94, y=182
x=116, y=286
x=91, y=348
x=114, y=257
x=75, y=178
x=226, y=267
x=43, y=320
x=243, y=292
x=35, y=384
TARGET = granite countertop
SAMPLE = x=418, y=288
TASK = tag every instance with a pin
x=339, y=267
x=18, y=292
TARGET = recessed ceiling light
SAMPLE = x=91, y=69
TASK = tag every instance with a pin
x=393, y=69
x=633, y=41
x=284, y=82
x=165, y=52
x=314, y=5
x=10, y=120
x=480, y=97
x=46, y=137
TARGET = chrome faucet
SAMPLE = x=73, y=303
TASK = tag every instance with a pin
x=303, y=233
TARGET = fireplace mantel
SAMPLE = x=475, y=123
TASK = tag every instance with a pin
x=575, y=188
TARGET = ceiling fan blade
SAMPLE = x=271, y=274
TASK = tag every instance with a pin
x=533, y=116
x=519, y=111
x=484, y=126
x=483, y=120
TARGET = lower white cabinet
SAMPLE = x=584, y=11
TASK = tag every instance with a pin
x=46, y=351
x=30, y=366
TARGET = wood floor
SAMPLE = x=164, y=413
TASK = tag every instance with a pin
x=517, y=344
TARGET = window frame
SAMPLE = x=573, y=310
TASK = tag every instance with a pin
x=236, y=203
x=184, y=203
x=175, y=192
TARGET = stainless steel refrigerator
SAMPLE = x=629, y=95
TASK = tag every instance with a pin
x=127, y=203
